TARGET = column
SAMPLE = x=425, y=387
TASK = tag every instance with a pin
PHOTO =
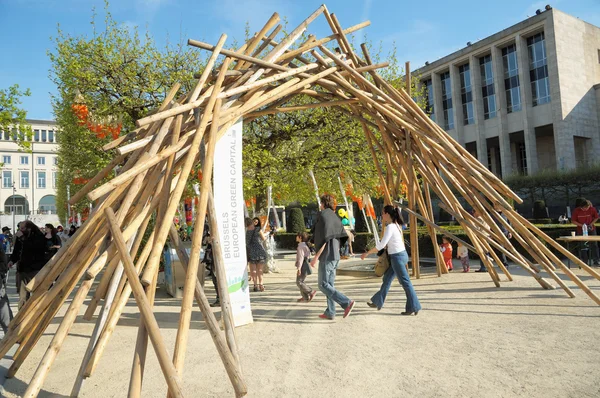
x=505, y=158
x=437, y=99
x=457, y=105
x=526, y=105
x=478, y=108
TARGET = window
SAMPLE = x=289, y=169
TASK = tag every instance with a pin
x=48, y=204
x=43, y=135
x=54, y=177
x=523, y=159
x=24, y=160
x=36, y=135
x=466, y=95
x=429, y=108
x=6, y=159
x=447, y=101
x=41, y=160
x=55, y=161
x=6, y=179
x=50, y=135
x=24, y=179
x=41, y=180
x=6, y=135
x=511, y=79
x=538, y=69
x=487, y=87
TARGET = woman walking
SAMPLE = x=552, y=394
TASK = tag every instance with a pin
x=393, y=239
x=257, y=256
x=53, y=241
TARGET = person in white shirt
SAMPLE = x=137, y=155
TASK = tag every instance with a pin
x=394, y=240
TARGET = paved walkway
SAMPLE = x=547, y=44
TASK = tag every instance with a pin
x=470, y=340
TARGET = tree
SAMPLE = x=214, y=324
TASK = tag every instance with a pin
x=296, y=221
x=12, y=116
x=117, y=76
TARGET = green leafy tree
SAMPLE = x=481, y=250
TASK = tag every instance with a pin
x=119, y=75
x=296, y=224
x=12, y=116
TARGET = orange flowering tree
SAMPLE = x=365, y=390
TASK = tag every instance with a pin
x=105, y=82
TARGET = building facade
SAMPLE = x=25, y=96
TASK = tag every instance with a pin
x=525, y=99
x=28, y=187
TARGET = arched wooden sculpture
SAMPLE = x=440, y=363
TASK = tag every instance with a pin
x=156, y=159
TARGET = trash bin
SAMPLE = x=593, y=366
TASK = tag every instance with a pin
x=174, y=272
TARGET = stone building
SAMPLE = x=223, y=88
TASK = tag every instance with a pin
x=28, y=186
x=525, y=99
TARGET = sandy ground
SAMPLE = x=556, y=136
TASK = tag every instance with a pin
x=470, y=340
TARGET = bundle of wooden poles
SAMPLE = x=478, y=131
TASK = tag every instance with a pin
x=155, y=160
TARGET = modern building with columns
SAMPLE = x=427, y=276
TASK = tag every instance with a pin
x=525, y=99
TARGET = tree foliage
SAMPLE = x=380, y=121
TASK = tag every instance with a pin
x=119, y=75
x=12, y=116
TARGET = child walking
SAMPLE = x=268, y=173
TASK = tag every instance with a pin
x=446, y=248
x=303, y=267
x=462, y=253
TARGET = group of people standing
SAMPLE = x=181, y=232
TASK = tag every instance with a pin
x=31, y=250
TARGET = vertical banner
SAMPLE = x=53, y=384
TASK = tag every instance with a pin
x=229, y=205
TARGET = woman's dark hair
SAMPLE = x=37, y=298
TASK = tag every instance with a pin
x=52, y=230
x=72, y=230
x=304, y=236
x=259, y=225
x=394, y=213
x=32, y=227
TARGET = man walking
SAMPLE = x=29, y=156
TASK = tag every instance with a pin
x=328, y=231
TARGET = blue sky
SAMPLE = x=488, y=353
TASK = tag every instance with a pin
x=422, y=30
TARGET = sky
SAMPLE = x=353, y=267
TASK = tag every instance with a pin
x=421, y=31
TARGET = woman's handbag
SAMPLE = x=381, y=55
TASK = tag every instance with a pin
x=383, y=262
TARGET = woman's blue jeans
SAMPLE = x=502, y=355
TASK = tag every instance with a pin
x=397, y=267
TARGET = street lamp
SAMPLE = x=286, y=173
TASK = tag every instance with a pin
x=14, y=207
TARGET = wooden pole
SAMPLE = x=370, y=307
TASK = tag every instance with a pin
x=145, y=308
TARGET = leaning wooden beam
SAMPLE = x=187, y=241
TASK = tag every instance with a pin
x=230, y=363
x=300, y=107
x=191, y=276
x=147, y=315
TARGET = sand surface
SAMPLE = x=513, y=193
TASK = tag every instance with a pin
x=470, y=340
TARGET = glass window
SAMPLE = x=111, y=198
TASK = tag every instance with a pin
x=24, y=160
x=43, y=135
x=447, y=101
x=6, y=135
x=41, y=179
x=24, y=179
x=50, y=135
x=36, y=135
x=488, y=93
x=511, y=79
x=466, y=94
x=41, y=160
x=538, y=69
x=429, y=108
x=55, y=161
x=6, y=159
x=54, y=177
x=6, y=179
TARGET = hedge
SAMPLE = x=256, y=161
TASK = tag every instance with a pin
x=362, y=240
